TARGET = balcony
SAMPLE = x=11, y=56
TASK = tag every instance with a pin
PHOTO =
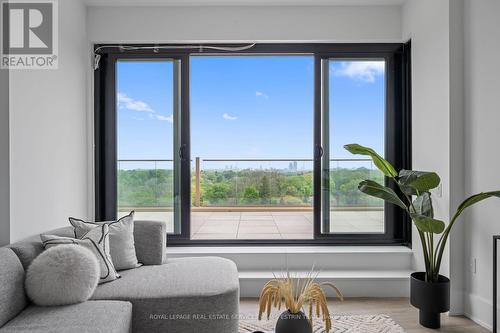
x=252, y=198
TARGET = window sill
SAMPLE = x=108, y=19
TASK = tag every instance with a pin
x=215, y=250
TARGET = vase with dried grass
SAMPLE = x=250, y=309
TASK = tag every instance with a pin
x=296, y=293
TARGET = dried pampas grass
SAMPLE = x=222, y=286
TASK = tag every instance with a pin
x=296, y=293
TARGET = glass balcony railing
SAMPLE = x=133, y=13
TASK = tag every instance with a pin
x=145, y=183
x=345, y=176
x=252, y=182
x=245, y=183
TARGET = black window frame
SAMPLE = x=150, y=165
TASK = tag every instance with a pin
x=397, y=133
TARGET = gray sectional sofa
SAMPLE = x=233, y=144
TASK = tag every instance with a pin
x=185, y=295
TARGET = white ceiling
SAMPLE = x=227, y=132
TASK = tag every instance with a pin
x=244, y=2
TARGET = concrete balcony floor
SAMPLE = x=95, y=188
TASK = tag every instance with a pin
x=269, y=224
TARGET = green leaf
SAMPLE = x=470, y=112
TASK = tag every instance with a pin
x=374, y=189
x=423, y=205
x=466, y=203
x=384, y=166
x=475, y=199
x=428, y=224
x=420, y=181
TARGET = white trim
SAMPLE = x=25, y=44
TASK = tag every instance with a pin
x=304, y=258
x=193, y=250
x=479, y=310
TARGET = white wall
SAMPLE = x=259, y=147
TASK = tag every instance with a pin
x=4, y=159
x=242, y=23
x=482, y=115
x=48, y=134
x=456, y=75
x=426, y=23
x=456, y=258
x=436, y=30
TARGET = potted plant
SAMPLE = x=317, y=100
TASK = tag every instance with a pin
x=429, y=291
x=296, y=293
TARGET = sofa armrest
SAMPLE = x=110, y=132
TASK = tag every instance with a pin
x=150, y=239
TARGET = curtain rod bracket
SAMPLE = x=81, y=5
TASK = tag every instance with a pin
x=97, y=59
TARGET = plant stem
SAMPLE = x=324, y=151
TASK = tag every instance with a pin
x=444, y=239
x=410, y=207
x=426, y=252
x=431, y=251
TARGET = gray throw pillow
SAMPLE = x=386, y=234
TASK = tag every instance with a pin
x=121, y=239
x=97, y=241
x=63, y=274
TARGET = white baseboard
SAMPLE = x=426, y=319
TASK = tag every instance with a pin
x=479, y=310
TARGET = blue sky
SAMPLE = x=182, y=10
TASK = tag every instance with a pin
x=248, y=107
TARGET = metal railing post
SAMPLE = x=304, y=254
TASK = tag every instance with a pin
x=197, y=199
x=156, y=183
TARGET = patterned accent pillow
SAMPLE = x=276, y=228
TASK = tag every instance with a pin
x=121, y=239
x=97, y=241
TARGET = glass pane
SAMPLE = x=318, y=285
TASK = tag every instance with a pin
x=251, y=145
x=145, y=140
x=353, y=113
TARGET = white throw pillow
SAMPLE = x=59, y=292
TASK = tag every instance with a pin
x=97, y=241
x=121, y=239
x=65, y=274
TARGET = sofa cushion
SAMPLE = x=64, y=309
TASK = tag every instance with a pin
x=12, y=296
x=183, y=295
x=28, y=249
x=64, y=274
x=121, y=239
x=88, y=317
x=97, y=241
x=150, y=242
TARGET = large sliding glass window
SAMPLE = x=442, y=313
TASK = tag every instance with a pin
x=353, y=112
x=247, y=147
x=146, y=138
x=252, y=147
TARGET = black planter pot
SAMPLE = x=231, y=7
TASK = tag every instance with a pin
x=431, y=298
x=293, y=323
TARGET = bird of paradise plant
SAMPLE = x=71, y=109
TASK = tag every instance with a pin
x=295, y=293
x=417, y=184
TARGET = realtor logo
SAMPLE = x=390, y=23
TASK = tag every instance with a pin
x=29, y=34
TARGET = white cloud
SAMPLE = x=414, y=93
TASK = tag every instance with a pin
x=365, y=71
x=229, y=117
x=125, y=102
x=261, y=94
x=170, y=118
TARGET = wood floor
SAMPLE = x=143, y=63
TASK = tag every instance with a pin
x=398, y=308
